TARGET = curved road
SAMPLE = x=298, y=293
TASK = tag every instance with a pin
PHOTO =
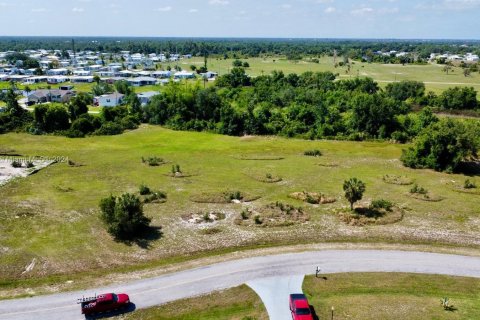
x=149, y=292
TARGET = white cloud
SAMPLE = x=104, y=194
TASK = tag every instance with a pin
x=388, y=10
x=164, y=9
x=324, y=1
x=286, y=6
x=193, y=10
x=330, y=10
x=38, y=10
x=362, y=11
x=78, y=10
x=451, y=5
x=218, y=2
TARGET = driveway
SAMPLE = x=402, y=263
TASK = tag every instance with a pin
x=149, y=292
x=275, y=292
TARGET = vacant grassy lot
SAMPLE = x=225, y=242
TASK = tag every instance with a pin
x=432, y=74
x=52, y=219
x=360, y=296
x=239, y=303
x=393, y=296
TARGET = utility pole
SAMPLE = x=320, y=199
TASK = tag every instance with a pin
x=74, y=55
x=332, y=312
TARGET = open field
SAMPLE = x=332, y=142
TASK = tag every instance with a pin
x=432, y=74
x=353, y=296
x=51, y=219
x=239, y=303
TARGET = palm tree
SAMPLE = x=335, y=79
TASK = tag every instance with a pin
x=354, y=190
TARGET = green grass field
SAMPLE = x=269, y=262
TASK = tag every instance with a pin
x=239, y=303
x=432, y=75
x=53, y=216
x=360, y=296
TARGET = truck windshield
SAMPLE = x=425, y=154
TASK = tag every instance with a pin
x=303, y=311
x=114, y=297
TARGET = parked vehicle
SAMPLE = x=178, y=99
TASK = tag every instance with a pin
x=299, y=307
x=104, y=303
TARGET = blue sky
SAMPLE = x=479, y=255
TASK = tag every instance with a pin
x=441, y=19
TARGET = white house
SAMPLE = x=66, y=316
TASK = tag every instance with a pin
x=57, y=79
x=209, y=75
x=81, y=73
x=57, y=72
x=80, y=79
x=37, y=79
x=109, y=100
x=162, y=74
x=145, y=97
x=142, y=81
x=184, y=75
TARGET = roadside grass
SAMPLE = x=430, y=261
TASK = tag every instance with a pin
x=233, y=304
x=64, y=234
x=393, y=296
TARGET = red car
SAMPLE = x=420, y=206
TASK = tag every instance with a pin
x=104, y=302
x=299, y=307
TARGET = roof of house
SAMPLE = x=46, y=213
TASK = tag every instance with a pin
x=115, y=95
x=148, y=94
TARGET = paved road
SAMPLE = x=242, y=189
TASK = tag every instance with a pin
x=150, y=292
x=275, y=292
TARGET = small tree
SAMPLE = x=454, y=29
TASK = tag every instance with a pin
x=354, y=190
x=124, y=216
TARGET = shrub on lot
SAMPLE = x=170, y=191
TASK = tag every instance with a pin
x=313, y=153
x=144, y=190
x=417, y=189
x=124, y=216
x=469, y=184
x=354, y=190
x=381, y=204
x=16, y=164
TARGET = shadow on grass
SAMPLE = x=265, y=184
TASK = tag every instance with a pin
x=144, y=239
x=469, y=168
x=370, y=212
x=130, y=308
x=314, y=313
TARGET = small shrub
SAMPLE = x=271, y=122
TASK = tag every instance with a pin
x=234, y=195
x=418, y=190
x=313, y=153
x=16, y=164
x=144, y=190
x=245, y=214
x=269, y=176
x=152, y=161
x=469, y=184
x=210, y=231
x=155, y=196
x=258, y=220
x=71, y=163
x=381, y=204
x=30, y=164
x=311, y=200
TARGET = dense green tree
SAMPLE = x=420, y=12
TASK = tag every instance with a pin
x=50, y=118
x=124, y=216
x=78, y=105
x=404, y=90
x=458, y=98
x=442, y=146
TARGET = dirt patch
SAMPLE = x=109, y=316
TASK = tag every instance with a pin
x=327, y=164
x=474, y=191
x=362, y=216
x=312, y=197
x=398, y=180
x=272, y=215
x=22, y=168
x=204, y=217
x=430, y=197
x=265, y=177
x=224, y=197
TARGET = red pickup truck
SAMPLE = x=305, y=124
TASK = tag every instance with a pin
x=104, y=303
x=299, y=307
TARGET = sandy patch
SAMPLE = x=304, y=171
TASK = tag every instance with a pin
x=8, y=172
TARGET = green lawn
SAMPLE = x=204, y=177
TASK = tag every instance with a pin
x=433, y=76
x=52, y=216
x=391, y=296
x=239, y=303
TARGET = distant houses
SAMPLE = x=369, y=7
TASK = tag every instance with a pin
x=109, y=100
x=145, y=97
x=54, y=95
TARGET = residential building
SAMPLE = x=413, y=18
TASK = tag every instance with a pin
x=54, y=95
x=142, y=81
x=145, y=97
x=109, y=100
